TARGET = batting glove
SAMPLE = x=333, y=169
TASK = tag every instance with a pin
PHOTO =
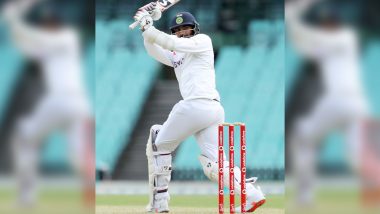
x=144, y=19
x=153, y=10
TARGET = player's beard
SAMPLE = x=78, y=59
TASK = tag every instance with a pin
x=186, y=36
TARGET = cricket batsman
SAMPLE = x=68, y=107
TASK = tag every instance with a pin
x=191, y=55
x=64, y=105
x=343, y=104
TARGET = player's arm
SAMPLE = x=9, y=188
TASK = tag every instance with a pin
x=301, y=35
x=158, y=53
x=310, y=41
x=13, y=10
x=145, y=20
x=195, y=44
x=31, y=41
x=198, y=43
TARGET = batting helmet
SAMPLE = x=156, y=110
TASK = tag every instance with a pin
x=184, y=19
x=47, y=13
x=325, y=14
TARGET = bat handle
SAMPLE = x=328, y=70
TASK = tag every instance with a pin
x=133, y=25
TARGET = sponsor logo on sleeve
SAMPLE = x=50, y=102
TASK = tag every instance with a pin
x=178, y=63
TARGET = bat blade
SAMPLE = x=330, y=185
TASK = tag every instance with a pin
x=166, y=4
x=162, y=4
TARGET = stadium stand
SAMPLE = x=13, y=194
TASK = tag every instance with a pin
x=371, y=75
x=240, y=71
x=122, y=84
x=11, y=63
x=250, y=80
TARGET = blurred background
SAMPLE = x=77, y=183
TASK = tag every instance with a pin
x=21, y=83
x=338, y=184
x=21, y=88
x=257, y=69
x=133, y=92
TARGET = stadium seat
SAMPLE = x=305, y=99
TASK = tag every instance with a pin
x=260, y=32
x=11, y=68
x=122, y=85
x=371, y=75
x=293, y=62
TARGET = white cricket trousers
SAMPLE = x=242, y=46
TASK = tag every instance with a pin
x=198, y=117
x=331, y=112
x=69, y=113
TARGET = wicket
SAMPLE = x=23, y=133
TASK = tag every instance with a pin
x=231, y=127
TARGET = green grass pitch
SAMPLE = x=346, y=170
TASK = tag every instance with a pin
x=118, y=204
x=57, y=201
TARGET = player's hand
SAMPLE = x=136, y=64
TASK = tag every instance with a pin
x=144, y=19
x=153, y=9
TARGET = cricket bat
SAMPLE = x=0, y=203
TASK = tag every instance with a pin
x=163, y=5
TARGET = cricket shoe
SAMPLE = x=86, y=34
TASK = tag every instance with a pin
x=161, y=203
x=27, y=193
x=255, y=198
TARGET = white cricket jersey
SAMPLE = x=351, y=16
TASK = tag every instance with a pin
x=193, y=63
x=58, y=53
x=336, y=52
